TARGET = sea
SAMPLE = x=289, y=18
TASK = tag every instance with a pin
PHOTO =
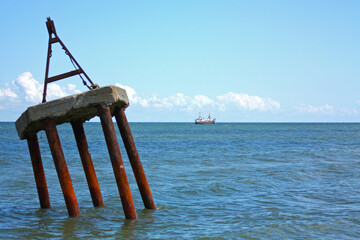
x=221, y=181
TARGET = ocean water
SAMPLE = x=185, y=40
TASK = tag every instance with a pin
x=222, y=181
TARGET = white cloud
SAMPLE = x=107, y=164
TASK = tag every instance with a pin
x=325, y=109
x=7, y=93
x=351, y=111
x=129, y=90
x=247, y=102
x=346, y=111
x=201, y=101
x=179, y=100
x=26, y=90
x=133, y=98
x=72, y=88
x=161, y=102
x=55, y=91
x=186, y=103
x=30, y=88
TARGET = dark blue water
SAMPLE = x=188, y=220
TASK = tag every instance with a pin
x=222, y=181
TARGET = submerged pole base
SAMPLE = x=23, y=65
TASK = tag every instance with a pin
x=134, y=158
x=39, y=173
x=61, y=167
x=117, y=163
x=87, y=163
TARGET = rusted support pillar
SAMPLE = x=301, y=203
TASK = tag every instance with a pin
x=117, y=163
x=134, y=158
x=61, y=167
x=39, y=173
x=87, y=163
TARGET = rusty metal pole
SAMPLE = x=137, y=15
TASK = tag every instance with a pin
x=47, y=71
x=39, y=173
x=61, y=167
x=87, y=163
x=117, y=162
x=134, y=158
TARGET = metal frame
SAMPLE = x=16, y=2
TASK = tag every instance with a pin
x=51, y=29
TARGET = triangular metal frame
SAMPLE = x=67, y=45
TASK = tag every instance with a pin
x=51, y=29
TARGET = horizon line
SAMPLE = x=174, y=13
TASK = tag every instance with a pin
x=221, y=122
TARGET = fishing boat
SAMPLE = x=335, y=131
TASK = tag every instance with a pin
x=208, y=120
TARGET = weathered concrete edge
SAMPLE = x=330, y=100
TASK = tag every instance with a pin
x=81, y=106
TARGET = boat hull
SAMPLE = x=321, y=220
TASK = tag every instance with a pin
x=205, y=122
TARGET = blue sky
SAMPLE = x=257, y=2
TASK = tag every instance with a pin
x=243, y=61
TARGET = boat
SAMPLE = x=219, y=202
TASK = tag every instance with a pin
x=208, y=120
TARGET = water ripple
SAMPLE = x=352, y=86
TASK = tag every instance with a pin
x=227, y=181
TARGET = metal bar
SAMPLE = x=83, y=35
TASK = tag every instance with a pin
x=64, y=75
x=77, y=64
x=52, y=25
x=134, y=158
x=54, y=40
x=39, y=173
x=48, y=26
x=61, y=167
x=47, y=70
x=117, y=163
x=87, y=163
x=51, y=29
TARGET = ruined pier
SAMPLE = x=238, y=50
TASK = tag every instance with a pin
x=104, y=102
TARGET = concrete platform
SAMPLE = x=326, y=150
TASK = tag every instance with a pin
x=81, y=106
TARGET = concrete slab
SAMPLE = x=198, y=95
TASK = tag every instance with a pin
x=78, y=106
